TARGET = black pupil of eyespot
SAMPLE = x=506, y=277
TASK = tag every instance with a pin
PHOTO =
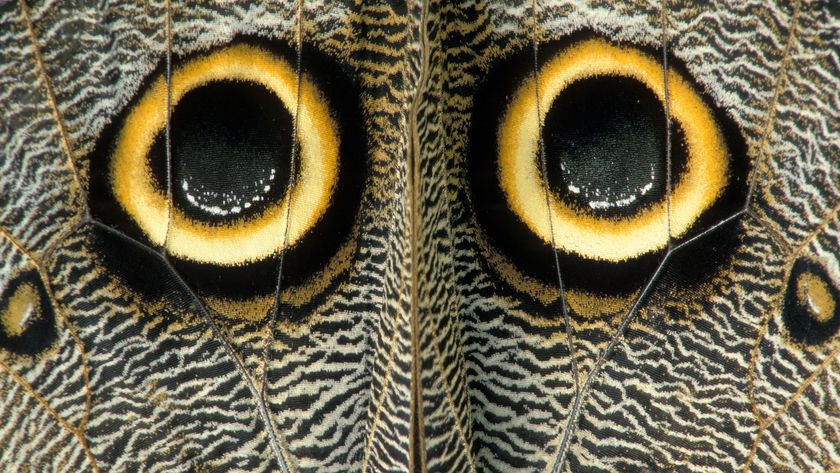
x=604, y=141
x=231, y=150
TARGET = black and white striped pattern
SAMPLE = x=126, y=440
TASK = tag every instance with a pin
x=703, y=378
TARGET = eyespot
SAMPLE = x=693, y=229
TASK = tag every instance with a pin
x=233, y=212
x=595, y=112
x=27, y=318
x=231, y=129
x=603, y=118
x=811, y=308
x=813, y=293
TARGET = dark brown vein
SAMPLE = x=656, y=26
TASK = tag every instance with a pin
x=277, y=444
x=667, y=95
x=568, y=433
x=276, y=307
x=278, y=447
x=168, y=129
x=48, y=89
x=416, y=428
x=78, y=430
x=781, y=77
x=290, y=187
x=544, y=171
x=572, y=423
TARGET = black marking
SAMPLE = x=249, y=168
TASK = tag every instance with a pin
x=508, y=234
x=38, y=330
x=230, y=151
x=310, y=253
x=800, y=320
x=700, y=263
x=605, y=147
x=131, y=264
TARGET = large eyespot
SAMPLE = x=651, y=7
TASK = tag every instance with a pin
x=811, y=308
x=27, y=318
x=231, y=118
x=238, y=198
x=594, y=115
x=603, y=116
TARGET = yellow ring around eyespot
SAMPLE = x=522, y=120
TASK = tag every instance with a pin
x=610, y=239
x=244, y=240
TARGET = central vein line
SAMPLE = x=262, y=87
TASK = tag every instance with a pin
x=417, y=455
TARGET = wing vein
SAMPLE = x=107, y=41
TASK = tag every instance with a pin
x=416, y=429
x=544, y=171
x=168, y=128
x=451, y=403
x=763, y=426
x=276, y=307
x=792, y=255
x=571, y=424
x=380, y=401
x=78, y=430
x=457, y=315
x=48, y=89
x=781, y=76
x=667, y=94
x=277, y=446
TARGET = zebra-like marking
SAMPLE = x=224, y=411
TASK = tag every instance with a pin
x=696, y=370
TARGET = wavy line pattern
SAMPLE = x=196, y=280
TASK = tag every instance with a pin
x=699, y=377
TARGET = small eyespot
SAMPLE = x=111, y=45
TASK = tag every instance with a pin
x=27, y=317
x=811, y=308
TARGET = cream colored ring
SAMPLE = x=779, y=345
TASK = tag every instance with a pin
x=621, y=238
x=243, y=240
